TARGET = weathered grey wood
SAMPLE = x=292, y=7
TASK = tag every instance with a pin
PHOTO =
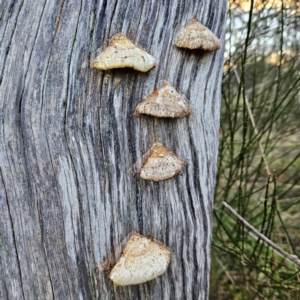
x=68, y=190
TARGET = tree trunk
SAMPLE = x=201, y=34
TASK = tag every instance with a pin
x=69, y=193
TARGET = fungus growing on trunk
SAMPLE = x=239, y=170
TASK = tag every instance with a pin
x=164, y=102
x=122, y=53
x=162, y=164
x=197, y=36
x=142, y=260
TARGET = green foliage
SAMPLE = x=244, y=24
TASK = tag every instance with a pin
x=259, y=155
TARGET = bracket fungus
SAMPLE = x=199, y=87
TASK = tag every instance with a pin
x=197, y=36
x=142, y=260
x=164, y=102
x=122, y=53
x=162, y=164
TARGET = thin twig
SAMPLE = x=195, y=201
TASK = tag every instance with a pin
x=253, y=123
x=291, y=257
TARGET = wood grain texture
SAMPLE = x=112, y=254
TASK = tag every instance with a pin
x=68, y=190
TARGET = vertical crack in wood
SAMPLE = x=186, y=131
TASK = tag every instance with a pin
x=13, y=235
x=49, y=153
x=59, y=15
x=10, y=39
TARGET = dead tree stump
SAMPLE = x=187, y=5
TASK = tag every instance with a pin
x=69, y=192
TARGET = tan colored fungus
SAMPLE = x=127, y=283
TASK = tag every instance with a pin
x=197, y=36
x=164, y=102
x=122, y=53
x=142, y=260
x=162, y=164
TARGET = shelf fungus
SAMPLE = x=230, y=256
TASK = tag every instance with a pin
x=197, y=36
x=164, y=102
x=162, y=164
x=142, y=260
x=122, y=53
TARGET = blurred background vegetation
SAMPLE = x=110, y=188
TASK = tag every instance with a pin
x=259, y=153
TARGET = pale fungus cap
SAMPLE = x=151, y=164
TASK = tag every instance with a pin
x=122, y=53
x=142, y=260
x=162, y=164
x=197, y=36
x=164, y=102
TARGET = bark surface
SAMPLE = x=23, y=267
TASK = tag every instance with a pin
x=70, y=148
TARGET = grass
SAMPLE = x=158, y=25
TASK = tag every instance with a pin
x=259, y=155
